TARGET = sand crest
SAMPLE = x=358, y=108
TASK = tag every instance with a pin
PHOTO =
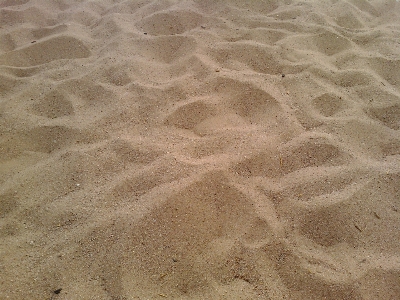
x=199, y=149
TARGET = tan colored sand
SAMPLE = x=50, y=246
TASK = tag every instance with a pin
x=199, y=149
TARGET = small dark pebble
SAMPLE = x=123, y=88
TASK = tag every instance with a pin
x=33, y=42
x=283, y=75
x=57, y=291
x=145, y=33
x=174, y=260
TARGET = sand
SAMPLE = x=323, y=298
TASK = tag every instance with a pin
x=199, y=149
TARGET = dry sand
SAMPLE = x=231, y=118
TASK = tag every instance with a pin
x=199, y=149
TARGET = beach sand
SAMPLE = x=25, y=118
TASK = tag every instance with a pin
x=199, y=149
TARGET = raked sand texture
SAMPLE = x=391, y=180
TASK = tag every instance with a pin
x=199, y=149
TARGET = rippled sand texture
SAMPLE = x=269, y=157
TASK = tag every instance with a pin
x=199, y=149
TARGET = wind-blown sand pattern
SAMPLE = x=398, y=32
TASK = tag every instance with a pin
x=199, y=149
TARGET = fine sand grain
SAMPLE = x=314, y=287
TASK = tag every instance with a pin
x=199, y=149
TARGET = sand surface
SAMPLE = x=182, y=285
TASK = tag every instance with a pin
x=199, y=149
